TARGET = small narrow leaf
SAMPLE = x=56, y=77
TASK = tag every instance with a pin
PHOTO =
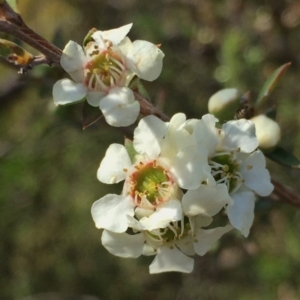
x=88, y=37
x=283, y=157
x=13, y=4
x=14, y=53
x=136, y=85
x=270, y=84
x=90, y=115
x=130, y=149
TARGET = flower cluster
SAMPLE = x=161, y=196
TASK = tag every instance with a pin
x=187, y=182
x=102, y=71
x=181, y=179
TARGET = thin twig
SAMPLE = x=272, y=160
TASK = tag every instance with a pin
x=283, y=194
x=12, y=23
x=148, y=109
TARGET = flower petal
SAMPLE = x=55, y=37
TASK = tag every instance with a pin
x=171, y=260
x=113, y=35
x=93, y=98
x=111, y=211
x=165, y=213
x=119, y=107
x=255, y=175
x=66, y=91
x=189, y=168
x=206, y=134
x=186, y=246
x=145, y=59
x=241, y=212
x=112, y=167
x=123, y=244
x=206, y=200
x=240, y=134
x=148, y=136
x=73, y=60
x=207, y=238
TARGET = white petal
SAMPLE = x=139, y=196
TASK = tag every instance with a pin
x=145, y=59
x=125, y=46
x=114, y=164
x=171, y=260
x=119, y=107
x=201, y=221
x=93, y=98
x=240, y=134
x=73, y=60
x=123, y=244
x=186, y=245
x=148, y=250
x=205, y=239
x=148, y=136
x=206, y=200
x=241, y=212
x=178, y=136
x=110, y=212
x=206, y=134
x=256, y=177
x=113, y=35
x=165, y=213
x=134, y=224
x=188, y=168
x=66, y=91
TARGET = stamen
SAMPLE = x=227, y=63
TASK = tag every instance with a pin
x=118, y=63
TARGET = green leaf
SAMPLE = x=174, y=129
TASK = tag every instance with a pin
x=136, y=85
x=130, y=149
x=90, y=115
x=270, y=84
x=13, y=4
x=88, y=38
x=14, y=53
x=283, y=157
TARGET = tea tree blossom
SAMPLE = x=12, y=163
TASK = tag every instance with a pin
x=172, y=245
x=102, y=71
x=153, y=176
x=236, y=164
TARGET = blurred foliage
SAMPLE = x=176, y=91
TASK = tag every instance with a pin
x=49, y=245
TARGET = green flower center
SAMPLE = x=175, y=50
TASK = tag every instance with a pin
x=174, y=232
x=150, y=184
x=104, y=70
x=225, y=169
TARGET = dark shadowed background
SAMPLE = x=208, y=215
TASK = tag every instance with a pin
x=49, y=246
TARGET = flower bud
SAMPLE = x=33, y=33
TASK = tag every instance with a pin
x=224, y=103
x=267, y=131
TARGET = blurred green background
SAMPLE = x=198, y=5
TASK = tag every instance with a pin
x=49, y=247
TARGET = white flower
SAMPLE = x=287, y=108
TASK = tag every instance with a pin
x=235, y=163
x=102, y=71
x=172, y=246
x=153, y=179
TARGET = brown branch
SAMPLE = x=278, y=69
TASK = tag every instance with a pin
x=283, y=194
x=148, y=109
x=12, y=23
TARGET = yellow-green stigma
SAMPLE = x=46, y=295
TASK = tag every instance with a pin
x=150, y=184
x=104, y=70
x=225, y=169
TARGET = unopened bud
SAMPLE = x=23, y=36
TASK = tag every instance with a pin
x=224, y=104
x=267, y=131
